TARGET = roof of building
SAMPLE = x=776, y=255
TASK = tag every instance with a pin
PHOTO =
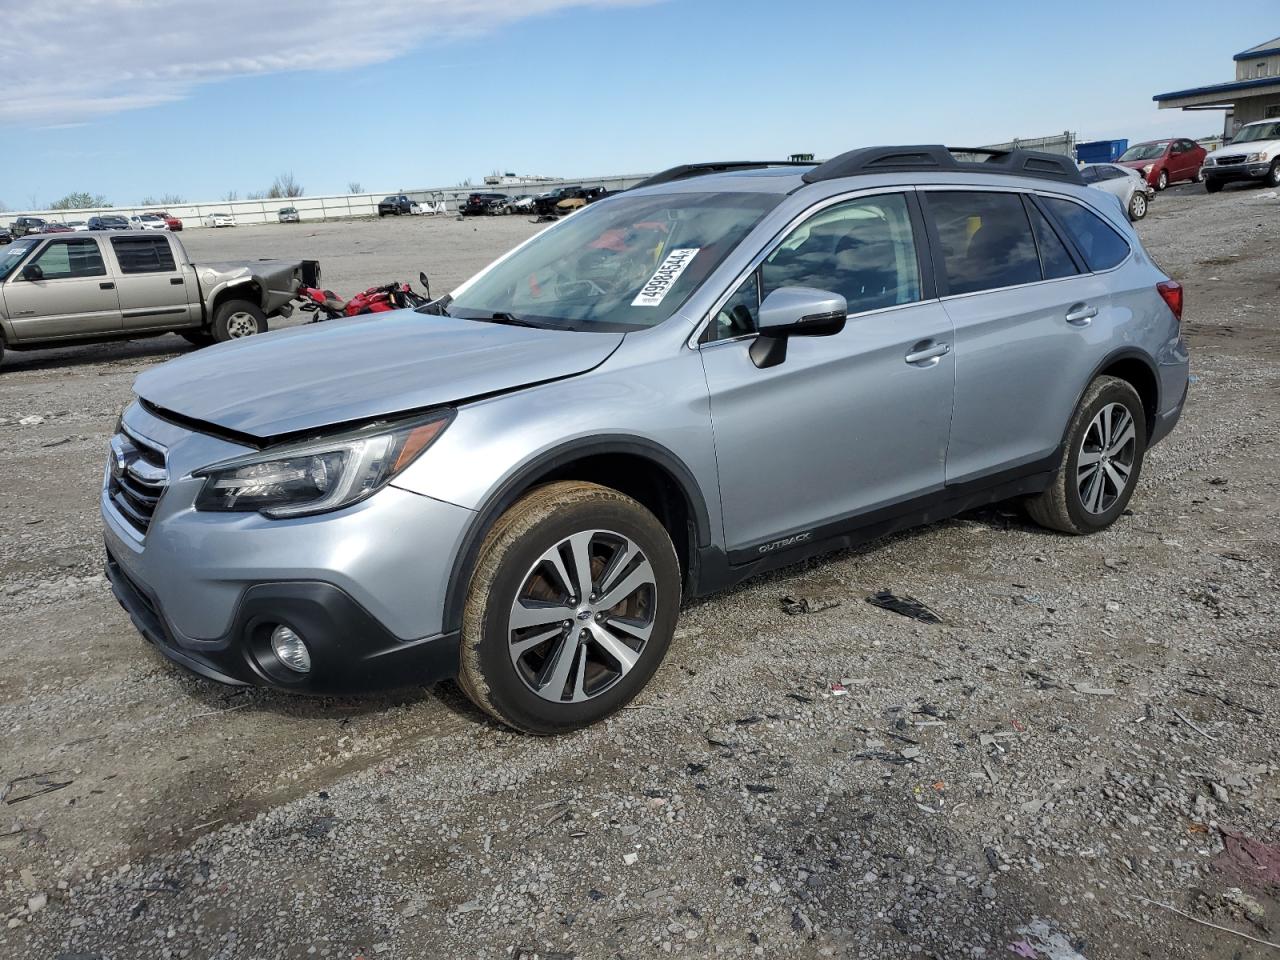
x=1232, y=86
x=1261, y=50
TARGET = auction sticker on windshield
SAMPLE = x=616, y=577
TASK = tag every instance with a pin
x=665, y=277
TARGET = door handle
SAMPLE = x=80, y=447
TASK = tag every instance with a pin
x=1081, y=314
x=926, y=353
x=106, y=286
x=176, y=281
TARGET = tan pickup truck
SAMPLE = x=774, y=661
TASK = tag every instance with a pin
x=66, y=288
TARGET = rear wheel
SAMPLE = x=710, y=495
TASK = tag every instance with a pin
x=237, y=319
x=570, y=610
x=1106, y=442
x=1137, y=205
x=200, y=338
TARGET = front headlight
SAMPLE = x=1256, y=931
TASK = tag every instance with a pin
x=315, y=476
x=1257, y=158
x=1148, y=168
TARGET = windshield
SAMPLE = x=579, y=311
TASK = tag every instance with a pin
x=13, y=253
x=1144, y=151
x=1257, y=131
x=625, y=263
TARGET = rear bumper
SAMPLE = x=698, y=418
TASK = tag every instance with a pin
x=350, y=650
x=1236, y=171
x=1165, y=422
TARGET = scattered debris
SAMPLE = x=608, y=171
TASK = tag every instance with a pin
x=1206, y=923
x=42, y=782
x=838, y=689
x=1252, y=862
x=30, y=421
x=1092, y=690
x=1181, y=716
x=905, y=605
x=795, y=606
x=1043, y=940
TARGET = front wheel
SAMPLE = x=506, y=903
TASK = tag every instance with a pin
x=1137, y=205
x=1162, y=181
x=1212, y=186
x=1273, y=175
x=1105, y=444
x=237, y=319
x=571, y=608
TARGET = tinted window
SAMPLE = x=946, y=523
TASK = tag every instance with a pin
x=986, y=240
x=1110, y=173
x=143, y=254
x=65, y=259
x=1089, y=174
x=1100, y=245
x=862, y=250
x=1055, y=261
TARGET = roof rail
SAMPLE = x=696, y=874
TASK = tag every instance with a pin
x=687, y=170
x=935, y=157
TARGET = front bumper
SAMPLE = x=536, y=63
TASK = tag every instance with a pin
x=1235, y=171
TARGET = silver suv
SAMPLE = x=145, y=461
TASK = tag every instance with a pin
x=724, y=370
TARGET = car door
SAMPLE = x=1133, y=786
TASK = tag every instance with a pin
x=74, y=295
x=152, y=284
x=848, y=424
x=1022, y=304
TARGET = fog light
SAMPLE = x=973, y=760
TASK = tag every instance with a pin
x=290, y=649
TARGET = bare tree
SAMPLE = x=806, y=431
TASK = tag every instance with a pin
x=231, y=196
x=355, y=187
x=284, y=186
x=166, y=200
x=258, y=195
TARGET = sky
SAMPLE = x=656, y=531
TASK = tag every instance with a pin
x=130, y=98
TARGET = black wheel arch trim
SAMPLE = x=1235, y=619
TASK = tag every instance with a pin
x=544, y=464
x=1115, y=356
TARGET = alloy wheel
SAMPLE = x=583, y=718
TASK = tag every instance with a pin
x=1106, y=457
x=1139, y=206
x=583, y=616
x=241, y=324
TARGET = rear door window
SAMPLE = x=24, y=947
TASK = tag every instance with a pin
x=986, y=240
x=1100, y=244
x=143, y=254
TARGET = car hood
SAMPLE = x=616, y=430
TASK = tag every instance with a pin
x=363, y=368
x=1138, y=164
x=1253, y=146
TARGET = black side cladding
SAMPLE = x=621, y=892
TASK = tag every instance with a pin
x=940, y=159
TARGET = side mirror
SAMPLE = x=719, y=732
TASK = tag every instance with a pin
x=795, y=312
x=426, y=284
x=32, y=271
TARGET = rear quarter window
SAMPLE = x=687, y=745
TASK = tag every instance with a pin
x=1099, y=243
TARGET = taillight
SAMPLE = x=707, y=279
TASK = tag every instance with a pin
x=1171, y=292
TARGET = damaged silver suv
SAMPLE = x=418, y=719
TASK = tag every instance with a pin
x=724, y=370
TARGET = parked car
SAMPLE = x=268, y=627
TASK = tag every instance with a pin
x=78, y=226
x=397, y=205
x=172, y=222
x=219, y=220
x=109, y=221
x=1252, y=154
x=5, y=235
x=1124, y=183
x=148, y=221
x=105, y=286
x=580, y=198
x=544, y=204
x=288, y=215
x=485, y=204
x=24, y=225
x=1162, y=162
x=672, y=391
x=52, y=227
x=521, y=204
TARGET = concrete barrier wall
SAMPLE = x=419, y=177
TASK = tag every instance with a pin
x=440, y=200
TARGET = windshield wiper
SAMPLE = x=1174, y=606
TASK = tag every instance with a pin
x=509, y=319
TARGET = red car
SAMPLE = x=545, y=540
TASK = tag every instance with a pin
x=1162, y=162
x=173, y=222
x=55, y=228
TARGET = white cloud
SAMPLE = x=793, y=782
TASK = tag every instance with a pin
x=67, y=61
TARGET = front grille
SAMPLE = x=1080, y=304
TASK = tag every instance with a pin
x=138, y=478
x=1226, y=161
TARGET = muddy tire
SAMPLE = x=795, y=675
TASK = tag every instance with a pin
x=537, y=653
x=1101, y=463
x=237, y=319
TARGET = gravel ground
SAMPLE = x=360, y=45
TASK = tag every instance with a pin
x=1086, y=732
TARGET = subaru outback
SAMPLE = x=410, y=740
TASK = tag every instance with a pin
x=726, y=369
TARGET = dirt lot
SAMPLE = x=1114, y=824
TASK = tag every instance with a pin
x=1085, y=734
